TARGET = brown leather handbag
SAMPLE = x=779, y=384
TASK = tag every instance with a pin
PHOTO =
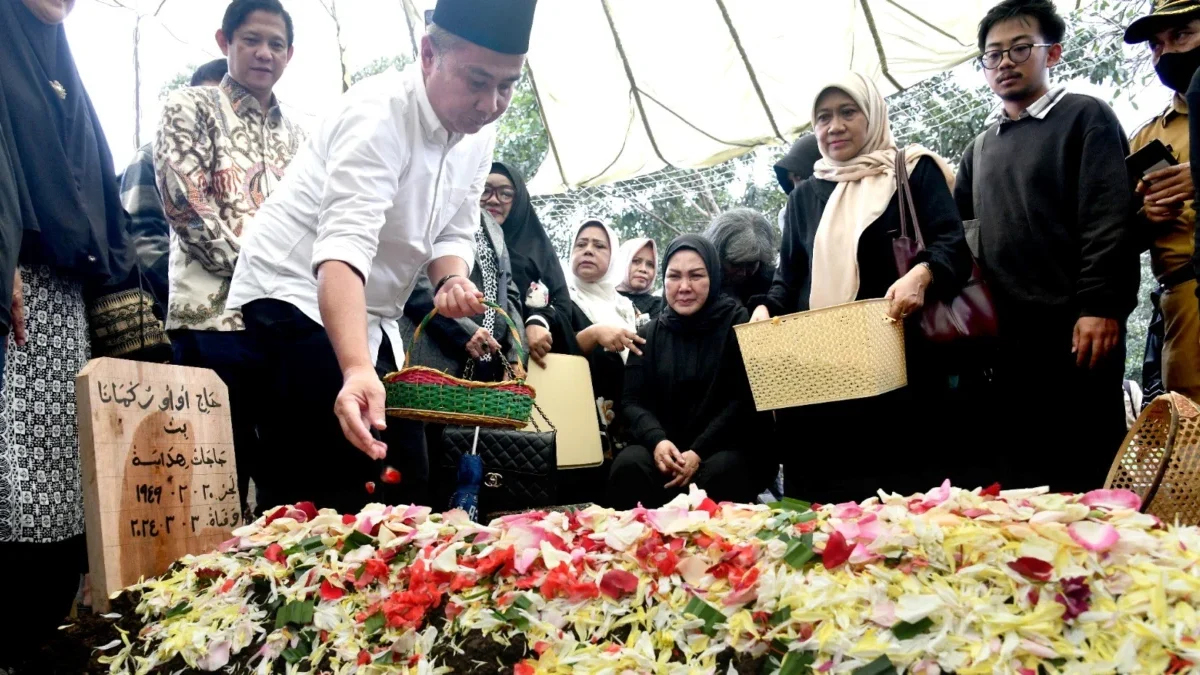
x=969, y=316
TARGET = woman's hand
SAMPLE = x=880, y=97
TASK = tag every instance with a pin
x=482, y=343
x=907, y=295
x=539, y=341
x=668, y=459
x=761, y=313
x=616, y=339
x=691, y=464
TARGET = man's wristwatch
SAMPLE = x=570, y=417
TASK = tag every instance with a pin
x=442, y=282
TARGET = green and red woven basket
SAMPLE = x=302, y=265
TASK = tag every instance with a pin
x=428, y=395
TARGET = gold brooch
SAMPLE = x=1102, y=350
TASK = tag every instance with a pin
x=59, y=89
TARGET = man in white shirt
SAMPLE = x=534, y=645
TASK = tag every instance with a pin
x=387, y=186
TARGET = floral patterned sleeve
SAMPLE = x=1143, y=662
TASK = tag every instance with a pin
x=183, y=152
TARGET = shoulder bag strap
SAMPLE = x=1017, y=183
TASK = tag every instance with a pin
x=976, y=162
x=908, y=208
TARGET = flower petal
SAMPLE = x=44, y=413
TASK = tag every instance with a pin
x=1094, y=536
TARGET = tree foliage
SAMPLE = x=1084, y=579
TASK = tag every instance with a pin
x=379, y=65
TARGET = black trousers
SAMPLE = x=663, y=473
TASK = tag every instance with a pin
x=233, y=356
x=634, y=479
x=1055, y=423
x=306, y=456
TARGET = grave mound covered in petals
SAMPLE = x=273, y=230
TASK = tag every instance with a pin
x=952, y=581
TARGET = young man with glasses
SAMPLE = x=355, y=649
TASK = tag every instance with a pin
x=1048, y=186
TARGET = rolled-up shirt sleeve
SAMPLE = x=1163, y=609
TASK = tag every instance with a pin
x=366, y=158
x=458, y=239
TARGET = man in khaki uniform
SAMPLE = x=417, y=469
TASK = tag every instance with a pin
x=1172, y=32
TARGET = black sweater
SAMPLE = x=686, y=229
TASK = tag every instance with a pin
x=1056, y=227
x=945, y=245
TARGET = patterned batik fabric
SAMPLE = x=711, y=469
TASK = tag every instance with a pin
x=40, y=494
x=217, y=157
x=486, y=260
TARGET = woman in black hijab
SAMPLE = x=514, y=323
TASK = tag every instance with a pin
x=72, y=241
x=535, y=267
x=686, y=400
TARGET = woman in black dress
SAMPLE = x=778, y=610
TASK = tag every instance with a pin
x=639, y=259
x=597, y=324
x=687, y=403
x=837, y=248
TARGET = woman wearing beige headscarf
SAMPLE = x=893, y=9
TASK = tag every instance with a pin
x=837, y=248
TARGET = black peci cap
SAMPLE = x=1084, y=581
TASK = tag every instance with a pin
x=499, y=25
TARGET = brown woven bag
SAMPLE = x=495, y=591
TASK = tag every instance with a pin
x=1160, y=460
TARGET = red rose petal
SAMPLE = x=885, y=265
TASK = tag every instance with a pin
x=390, y=476
x=524, y=668
x=330, y=593
x=992, y=490
x=274, y=553
x=349, y=519
x=370, y=487
x=710, y=506
x=836, y=552
x=364, y=658
x=308, y=508
x=618, y=583
x=1032, y=568
x=276, y=515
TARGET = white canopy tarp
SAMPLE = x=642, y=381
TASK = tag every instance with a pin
x=628, y=87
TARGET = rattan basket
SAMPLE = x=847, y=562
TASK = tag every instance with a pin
x=833, y=354
x=429, y=395
x=1160, y=460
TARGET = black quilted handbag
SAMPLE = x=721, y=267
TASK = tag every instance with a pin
x=520, y=468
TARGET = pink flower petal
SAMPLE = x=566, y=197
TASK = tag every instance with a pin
x=526, y=558
x=976, y=513
x=692, y=569
x=938, y=495
x=884, y=614
x=1094, y=536
x=847, y=510
x=860, y=555
x=1113, y=499
x=849, y=530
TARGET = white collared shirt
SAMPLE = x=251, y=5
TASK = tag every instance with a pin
x=381, y=186
x=1037, y=110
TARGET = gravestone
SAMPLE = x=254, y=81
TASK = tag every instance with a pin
x=159, y=478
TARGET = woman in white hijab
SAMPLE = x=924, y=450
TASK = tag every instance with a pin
x=837, y=248
x=639, y=260
x=599, y=325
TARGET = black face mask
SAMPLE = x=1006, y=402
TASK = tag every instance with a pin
x=1176, y=70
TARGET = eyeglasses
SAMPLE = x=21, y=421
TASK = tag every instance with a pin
x=504, y=195
x=991, y=60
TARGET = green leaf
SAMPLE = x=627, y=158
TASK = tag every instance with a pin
x=301, y=651
x=522, y=602
x=797, y=663
x=880, y=666
x=181, y=608
x=907, y=631
x=791, y=505
x=709, y=614
x=374, y=623
x=806, y=516
x=800, y=552
x=355, y=540
x=781, y=615
x=295, y=612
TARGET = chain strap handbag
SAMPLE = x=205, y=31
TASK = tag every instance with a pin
x=520, y=468
x=970, y=316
